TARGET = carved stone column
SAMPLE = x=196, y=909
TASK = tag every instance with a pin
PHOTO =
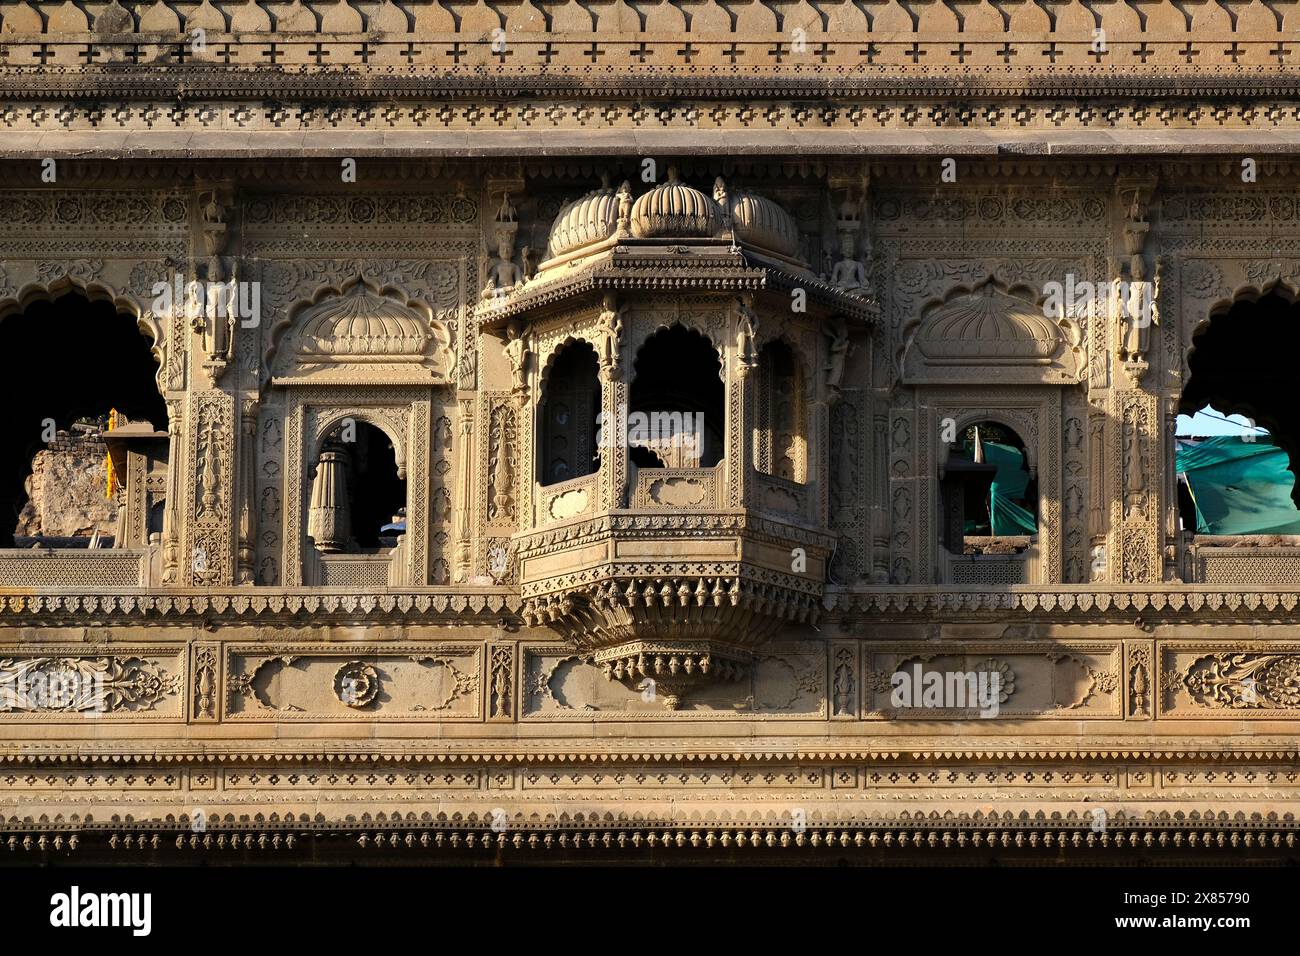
x=1135, y=437
x=329, y=522
x=171, y=515
x=879, y=464
x=614, y=492
x=246, y=572
x=465, y=492
x=741, y=386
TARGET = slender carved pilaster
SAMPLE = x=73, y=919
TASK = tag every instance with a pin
x=246, y=572
x=465, y=510
x=171, y=512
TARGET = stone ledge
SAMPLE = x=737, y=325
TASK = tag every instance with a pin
x=883, y=144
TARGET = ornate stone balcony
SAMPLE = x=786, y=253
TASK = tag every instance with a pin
x=677, y=400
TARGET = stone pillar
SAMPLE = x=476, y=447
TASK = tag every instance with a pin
x=741, y=386
x=1135, y=436
x=329, y=523
x=465, y=492
x=171, y=515
x=614, y=491
x=245, y=571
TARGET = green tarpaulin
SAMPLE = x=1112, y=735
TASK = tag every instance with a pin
x=1006, y=511
x=1239, y=487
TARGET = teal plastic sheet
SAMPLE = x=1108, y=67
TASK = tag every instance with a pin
x=1007, y=512
x=1238, y=486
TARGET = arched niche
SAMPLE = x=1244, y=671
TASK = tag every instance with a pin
x=994, y=334
x=360, y=333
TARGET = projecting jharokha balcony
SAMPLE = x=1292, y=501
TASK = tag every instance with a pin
x=678, y=413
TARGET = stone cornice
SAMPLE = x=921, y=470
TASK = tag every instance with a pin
x=923, y=145
x=442, y=606
x=1151, y=603
x=633, y=752
x=1055, y=835
x=451, y=606
x=185, y=83
x=654, y=268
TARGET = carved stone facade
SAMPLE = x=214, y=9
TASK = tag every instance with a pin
x=475, y=250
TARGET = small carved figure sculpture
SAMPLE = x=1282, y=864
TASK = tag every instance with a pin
x=503, y=275
x=838, y=333
x=624, y=197
x=849, y=275
x=611, y=338
x=746, y=335
x=517, y=351
x=507, y=211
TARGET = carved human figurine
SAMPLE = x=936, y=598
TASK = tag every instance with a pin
x=624, y=197
x=611, y=339
x=720, y=197
x=849, y=275
x=518, y=352
x=1137, y=310
x=746, y=335
x=214, y=225
x=503, y=275
x=838, y=334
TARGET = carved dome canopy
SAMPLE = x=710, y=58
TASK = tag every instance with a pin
x=988, y=327
x=360, y=328
x=677, y=211
x=363, y=325
x=584, y=222
x=759, y=221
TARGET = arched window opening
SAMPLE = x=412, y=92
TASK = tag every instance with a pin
x=781, y=427
x=990, y=497
x=1233, y=478
x=69, y=365
x=567, y=415
x=358, y=496
x=677, y=402
x=1238, y=424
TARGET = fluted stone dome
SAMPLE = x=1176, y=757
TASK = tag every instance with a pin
x=673, y=210
x=584, y=222
x=363, y=324
x=990, y=326
x=761, y=222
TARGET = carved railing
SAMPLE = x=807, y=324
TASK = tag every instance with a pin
x=677, y=489
x=1246, y=560
x=780, y=496
x=383, y=569
x=994, y=570
x=106, y=569
x=566, y=499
